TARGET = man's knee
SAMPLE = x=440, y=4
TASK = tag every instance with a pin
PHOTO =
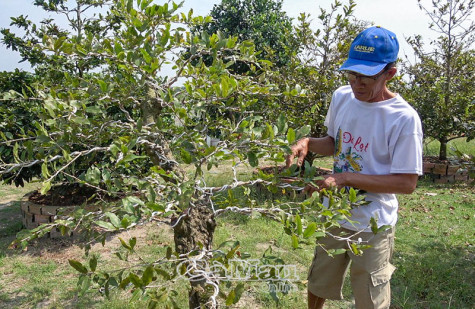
x=315, y=302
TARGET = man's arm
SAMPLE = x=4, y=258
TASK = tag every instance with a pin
x=323, y=146
x=394, y=183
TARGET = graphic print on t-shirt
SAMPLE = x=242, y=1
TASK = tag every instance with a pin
x=346, y=157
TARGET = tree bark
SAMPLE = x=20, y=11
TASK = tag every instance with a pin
x=443, y=148
x=194, y=230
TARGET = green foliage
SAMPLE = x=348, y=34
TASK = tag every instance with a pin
x=312, y=74
x=261, y=21
x=117, y=128
x=18, y=119
x=441, y=86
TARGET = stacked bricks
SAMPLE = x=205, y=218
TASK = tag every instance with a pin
x=33, y=215
x=445, y=172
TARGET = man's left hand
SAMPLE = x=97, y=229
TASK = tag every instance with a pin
x=329, y=181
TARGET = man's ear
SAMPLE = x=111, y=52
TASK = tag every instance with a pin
x=391, y=72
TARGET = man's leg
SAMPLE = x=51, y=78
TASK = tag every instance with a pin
x=315, y=302
x=371, y=272
x=327, y=273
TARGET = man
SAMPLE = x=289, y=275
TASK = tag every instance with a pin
x=375, y=137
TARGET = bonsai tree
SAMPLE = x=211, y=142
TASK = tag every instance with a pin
x=141, y=134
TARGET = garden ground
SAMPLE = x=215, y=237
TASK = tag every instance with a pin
x=435, y=256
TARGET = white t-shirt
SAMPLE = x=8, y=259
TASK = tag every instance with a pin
x=378, y=138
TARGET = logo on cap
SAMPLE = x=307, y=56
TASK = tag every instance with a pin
x=364, y=49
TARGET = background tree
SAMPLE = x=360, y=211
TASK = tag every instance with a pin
x=17, y=119
x=141, y=134
x=440, y=82
x=261, y=21
x=53, y=70
x=312, y=74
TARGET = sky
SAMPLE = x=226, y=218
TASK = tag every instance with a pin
x=403, y=17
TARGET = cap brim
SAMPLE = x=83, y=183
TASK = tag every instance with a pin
x=363, y=67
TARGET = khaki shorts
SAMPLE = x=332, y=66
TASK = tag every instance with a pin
x=370, y=273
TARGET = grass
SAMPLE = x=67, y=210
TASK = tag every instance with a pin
x=431, y=147
x=435, y=255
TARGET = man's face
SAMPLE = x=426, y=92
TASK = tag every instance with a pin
x=370, y=88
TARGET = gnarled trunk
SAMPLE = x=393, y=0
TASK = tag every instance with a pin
x=193, y=230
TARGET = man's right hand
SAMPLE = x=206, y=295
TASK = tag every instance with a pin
x=299, y=150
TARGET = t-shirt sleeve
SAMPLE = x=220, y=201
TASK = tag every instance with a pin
x=329, y=119
x=407, y=151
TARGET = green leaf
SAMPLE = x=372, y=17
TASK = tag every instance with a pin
x=44, y=170
x=84, y=283
x=186, y=156
x=136, y=280
x=238, y=292
x=252, y=158
x=15, y=153
x=281, y=124
x=310, y=230
x=147, y=275
x=93, y=175
x=131, y=157
x=103, y=85
x=374, y=225
x=303, y=131
x=93, y=263
x=114, y=219
x=46, y=187
x=291, y=136
x=298, y=221
x=230, y=298
x=355, y=249
x=78, y=266
x=352, y=195
x=336, y=251
x=106, y=225
x=132, y=242
x=295, y=241
x=117, y=47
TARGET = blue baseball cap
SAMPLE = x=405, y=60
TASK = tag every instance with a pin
x=371, y=51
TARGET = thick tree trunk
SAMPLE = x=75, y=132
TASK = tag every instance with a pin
x=195, y=229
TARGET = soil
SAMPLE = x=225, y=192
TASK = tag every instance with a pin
x=67, y=195
x=435, y=159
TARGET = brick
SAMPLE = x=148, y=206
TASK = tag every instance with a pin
x=427, y=170
x=452, y=169
x=428, y=167
x=31, y=225
x=49, y=210
x=440, y=169
x=27, y=218
x=34, y=208
x=24, y=207
x=42, y=219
